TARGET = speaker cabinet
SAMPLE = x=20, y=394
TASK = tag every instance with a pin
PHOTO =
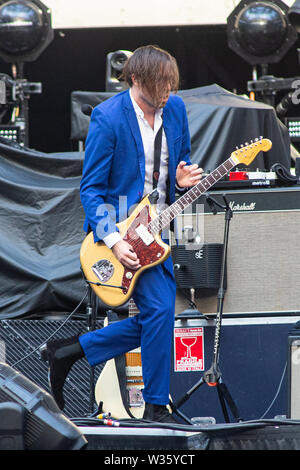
x=253, y=357
x=19, y=342
x=263, y=262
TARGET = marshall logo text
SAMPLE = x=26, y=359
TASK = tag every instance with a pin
x=242, y=207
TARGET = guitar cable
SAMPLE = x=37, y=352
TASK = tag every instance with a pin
x=194, y=428
x=99, y=284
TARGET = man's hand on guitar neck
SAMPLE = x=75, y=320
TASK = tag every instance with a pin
x=188, y=175
x=126, y=255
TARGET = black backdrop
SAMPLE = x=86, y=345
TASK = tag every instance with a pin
x=218, y=122
x=75, y=60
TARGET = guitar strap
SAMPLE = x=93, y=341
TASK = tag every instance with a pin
x=157, y=153
x=121, y=373
x=120, y=363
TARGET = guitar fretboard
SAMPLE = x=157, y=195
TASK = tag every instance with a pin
x=165, y=217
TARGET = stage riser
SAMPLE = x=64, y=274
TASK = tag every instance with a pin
x=253, y=359
x=280, y=437
x=253, y=355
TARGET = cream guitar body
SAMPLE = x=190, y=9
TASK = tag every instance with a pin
x=107, y=389
x=100, y=266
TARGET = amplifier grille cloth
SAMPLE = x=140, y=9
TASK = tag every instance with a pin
x=263, y=262
x=20, y=337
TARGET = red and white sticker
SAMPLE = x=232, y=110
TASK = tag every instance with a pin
x=188, y=349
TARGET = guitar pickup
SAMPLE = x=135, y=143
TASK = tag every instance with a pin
x=144, y=234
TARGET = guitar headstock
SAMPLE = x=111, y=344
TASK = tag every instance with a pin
x=247, y=153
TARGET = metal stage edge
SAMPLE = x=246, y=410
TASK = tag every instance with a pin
x=272, y=434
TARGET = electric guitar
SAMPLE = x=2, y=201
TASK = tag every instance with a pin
x=107, y=389
x=111, y=281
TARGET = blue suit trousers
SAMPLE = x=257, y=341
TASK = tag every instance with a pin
x=151, y=329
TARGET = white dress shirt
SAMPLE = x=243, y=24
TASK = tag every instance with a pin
x=148, y=136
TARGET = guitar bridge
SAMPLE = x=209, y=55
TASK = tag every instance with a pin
x=103, y=269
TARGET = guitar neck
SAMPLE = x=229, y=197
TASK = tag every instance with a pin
x=165, y=217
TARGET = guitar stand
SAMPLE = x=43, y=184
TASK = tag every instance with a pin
x=213, y=377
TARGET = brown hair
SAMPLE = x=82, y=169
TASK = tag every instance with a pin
x=154, y=68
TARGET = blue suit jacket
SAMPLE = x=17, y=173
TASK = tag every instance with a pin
x=114, y=167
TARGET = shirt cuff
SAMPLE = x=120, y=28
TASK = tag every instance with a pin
x=111, y=239
x=179, y=188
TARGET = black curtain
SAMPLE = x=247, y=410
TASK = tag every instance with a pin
x=41, y=232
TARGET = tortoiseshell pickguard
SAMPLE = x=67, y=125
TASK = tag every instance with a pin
x=146, y=254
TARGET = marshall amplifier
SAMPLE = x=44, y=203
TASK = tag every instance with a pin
x=263, y=260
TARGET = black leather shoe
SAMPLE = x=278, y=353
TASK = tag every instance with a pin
x=60, y=355
x=158, y=413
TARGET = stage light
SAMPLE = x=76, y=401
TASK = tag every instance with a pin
x=25, y=30
x=294, y=15
x=115, y=62
x=260, y=32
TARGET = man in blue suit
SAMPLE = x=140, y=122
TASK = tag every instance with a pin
x=119, y=166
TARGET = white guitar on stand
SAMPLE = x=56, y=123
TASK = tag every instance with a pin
x=107, y=389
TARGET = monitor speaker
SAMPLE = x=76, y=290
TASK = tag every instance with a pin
x=30, y=418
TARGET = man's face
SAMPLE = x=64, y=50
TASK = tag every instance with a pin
x=156, y=102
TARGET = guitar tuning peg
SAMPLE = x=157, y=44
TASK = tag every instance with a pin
x=241, y=146
x=256, y=139
x=260, y=137
x=246, y=143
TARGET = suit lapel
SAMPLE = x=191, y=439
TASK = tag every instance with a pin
x=135, y=130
